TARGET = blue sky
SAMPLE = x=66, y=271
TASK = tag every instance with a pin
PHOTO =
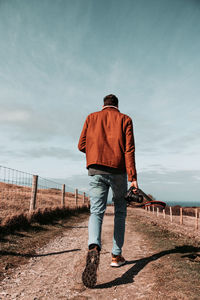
x=58, y=59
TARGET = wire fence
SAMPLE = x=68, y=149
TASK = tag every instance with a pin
x=48, y=193
x=15, y=191
x=22, y=192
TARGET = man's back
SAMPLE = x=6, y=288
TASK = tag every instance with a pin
x=107, y=140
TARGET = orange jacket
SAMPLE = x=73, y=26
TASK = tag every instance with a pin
x=107, y=139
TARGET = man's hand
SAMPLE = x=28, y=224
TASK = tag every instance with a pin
x=134, y=184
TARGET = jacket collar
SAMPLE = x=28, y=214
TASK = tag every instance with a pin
x=110, y=106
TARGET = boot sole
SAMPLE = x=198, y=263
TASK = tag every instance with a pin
x=89, y=275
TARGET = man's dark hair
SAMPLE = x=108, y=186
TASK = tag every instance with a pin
x=110, y=100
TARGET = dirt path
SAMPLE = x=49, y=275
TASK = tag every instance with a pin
x=55, y=272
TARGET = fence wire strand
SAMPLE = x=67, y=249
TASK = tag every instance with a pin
x=15, y=190
x=48, y=193
x=16, y=193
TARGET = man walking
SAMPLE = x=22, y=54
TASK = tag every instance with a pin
x=107, y=140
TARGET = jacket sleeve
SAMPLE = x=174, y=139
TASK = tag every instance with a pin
x=82, y=139
x=130, y=152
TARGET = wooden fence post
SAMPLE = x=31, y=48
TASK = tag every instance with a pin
x=84, y=198
x=170, y=210
x=181, y=216
x=63, y=196
x=34, y=193
x=157, y=211
x=196, y=218
x=164, y=213
x=76, y=197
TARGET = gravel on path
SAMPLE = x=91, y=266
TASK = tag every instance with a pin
x=55, y=273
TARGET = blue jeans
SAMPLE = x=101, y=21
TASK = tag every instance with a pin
x=99, y=187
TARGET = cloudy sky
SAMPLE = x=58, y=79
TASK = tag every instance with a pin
x=58, y=59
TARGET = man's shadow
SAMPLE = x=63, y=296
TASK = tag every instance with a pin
x=29, y=255
x=139, y=264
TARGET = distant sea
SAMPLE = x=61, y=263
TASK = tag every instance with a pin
x=175, y=202
x=184, y=203
x=180, y=203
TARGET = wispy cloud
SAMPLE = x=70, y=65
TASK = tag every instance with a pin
x=173, y=185
x=42, y=152
x=14, y=116
x=54, y=152
x=196, y=177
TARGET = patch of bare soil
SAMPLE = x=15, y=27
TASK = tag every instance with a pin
x=17, y=247
x=160, y=265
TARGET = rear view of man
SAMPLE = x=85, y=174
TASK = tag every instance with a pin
x=107, y=140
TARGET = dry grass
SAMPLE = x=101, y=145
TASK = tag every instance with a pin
x=187, y=211
x=40, y=216
x=187, y=225
x=15, y=204
x=175, y=261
